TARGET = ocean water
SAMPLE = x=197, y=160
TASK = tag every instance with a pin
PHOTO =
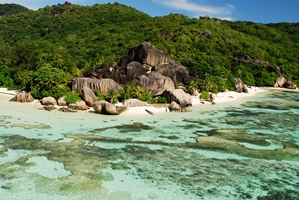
x=247, y=149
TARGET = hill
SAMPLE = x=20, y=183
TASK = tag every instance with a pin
x=9, y=9
x=66, y=40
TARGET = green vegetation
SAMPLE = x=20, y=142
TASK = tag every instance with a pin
x=205, y=95
x=9, y=9
x=72, y=97
x=41, y=51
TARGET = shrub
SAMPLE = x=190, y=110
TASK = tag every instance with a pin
x=205, y=95
x=72, y=97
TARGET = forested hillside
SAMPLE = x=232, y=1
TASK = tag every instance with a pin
x=47, y=48
x=9, y=9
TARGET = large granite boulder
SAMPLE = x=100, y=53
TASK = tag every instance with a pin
x=145, y=53
x=104, y=107
x=179, y=96
x=79, y=105
x=148, y=54
x=155, y=83
x=61, y=101
x=133, y=70
x=134, y=103
x=290, y=84
x=22, y=97
x=49, y=101
x=103, y=85
x=280, y=81
x=174, y=106
x=166, y=70
x=241, y=86
x=88, y=96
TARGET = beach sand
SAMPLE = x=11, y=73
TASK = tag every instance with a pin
x=220, y=98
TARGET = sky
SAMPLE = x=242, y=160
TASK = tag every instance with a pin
x=259, y=11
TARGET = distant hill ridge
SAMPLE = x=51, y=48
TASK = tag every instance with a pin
x=9, y=9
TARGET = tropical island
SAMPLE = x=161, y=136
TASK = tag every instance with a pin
x=78, y=56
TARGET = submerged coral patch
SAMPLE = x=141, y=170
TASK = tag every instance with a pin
x=32, y=126
x=238, y=141
x=126, y=128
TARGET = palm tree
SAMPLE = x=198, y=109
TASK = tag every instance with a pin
x=207, y=84
x=137, y=92
x=113, y=96
x=192, y=87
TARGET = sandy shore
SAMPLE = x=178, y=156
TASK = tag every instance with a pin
x=220, y=98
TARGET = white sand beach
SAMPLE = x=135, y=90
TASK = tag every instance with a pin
x=220, y=98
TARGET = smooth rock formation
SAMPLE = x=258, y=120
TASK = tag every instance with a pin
x=290, y=84
x=49, y=101
x=155, y=83
x=145, y=53
x=134, y=103
x=241, y=86
x=79, y=105
x=103, y=85
x=88, y=96
x=280, y=81
x=173, y=106
x=104, y=107
x=179, y=96
x=23, y=97
x=133, y=70
x=61, y=101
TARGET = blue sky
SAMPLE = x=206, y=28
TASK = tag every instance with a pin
x=262, y=11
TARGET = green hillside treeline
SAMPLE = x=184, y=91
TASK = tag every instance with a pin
x=42, y=51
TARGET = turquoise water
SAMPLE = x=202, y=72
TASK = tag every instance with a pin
x=241, y=150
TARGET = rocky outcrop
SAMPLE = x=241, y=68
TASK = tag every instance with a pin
x=280, y=81
x=133, y=70
x=276, y=70
x=104, y=107
x=145, y=53
x=290, y=84
x=134, y=103
x=22, y=97
x=179, y=96
x=88, y=96
x=61, y=101
x=173, y=106
x=241, y=86
x=103, y=85
x=206, y=17
x=79, y=105
x=49, y=101
x=248, y=58
x=155, y=83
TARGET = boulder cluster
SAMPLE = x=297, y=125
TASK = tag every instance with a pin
x=149, y=65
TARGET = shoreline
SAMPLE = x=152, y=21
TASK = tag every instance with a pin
x=220, y=98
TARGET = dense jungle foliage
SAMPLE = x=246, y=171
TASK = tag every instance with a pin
x=42, y=51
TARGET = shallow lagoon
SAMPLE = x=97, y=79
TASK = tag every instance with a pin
x=242, y=150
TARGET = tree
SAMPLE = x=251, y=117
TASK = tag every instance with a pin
x=112, y=96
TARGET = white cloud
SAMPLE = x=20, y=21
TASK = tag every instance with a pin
x=199, y=9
